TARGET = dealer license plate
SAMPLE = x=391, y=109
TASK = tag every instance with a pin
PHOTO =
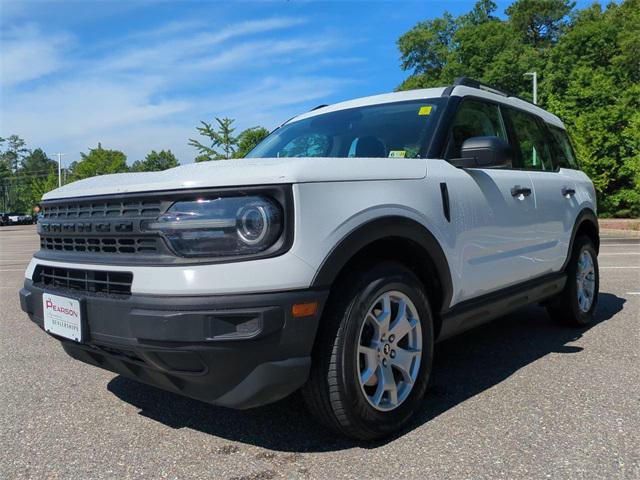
x=62, y=316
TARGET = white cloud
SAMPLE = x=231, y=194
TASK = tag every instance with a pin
x=86, y=106
x=251, y=54
x=166, y=51
x=150, y=89
x=28, y=54
x=274, y=94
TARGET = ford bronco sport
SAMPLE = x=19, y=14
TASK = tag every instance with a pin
x=353, y=237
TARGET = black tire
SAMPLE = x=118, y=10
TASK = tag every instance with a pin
x=566, y=308
x=333, y=393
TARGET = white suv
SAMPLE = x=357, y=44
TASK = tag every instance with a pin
x=353, y=237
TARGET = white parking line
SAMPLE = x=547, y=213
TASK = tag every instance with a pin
x=32, y=236
x=633, y=293
x=618, y=253
x=630, y=244
x=619, y=267
x=6, y=251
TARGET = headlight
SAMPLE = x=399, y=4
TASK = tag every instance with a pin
x=220, y=227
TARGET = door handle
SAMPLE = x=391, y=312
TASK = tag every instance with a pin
x=518, y=190
x=568, y=192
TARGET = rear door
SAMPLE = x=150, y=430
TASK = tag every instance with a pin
x=493, y=210
x=556, y=206
x=576, y=189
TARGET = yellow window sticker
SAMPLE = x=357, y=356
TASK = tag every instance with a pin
x=426, y=110
x=397, y=154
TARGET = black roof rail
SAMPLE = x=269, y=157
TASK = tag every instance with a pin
x=319, y=106
x=470, y=82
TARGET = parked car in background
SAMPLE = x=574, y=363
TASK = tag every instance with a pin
x=4, y=219
x=20, y=219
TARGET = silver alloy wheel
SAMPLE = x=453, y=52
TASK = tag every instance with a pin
x=389, y=351
x=586, y=281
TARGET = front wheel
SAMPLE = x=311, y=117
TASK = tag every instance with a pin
x=577, y=302
x=374, y=353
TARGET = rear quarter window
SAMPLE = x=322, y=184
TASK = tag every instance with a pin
x=533, y=145
x=564, y=151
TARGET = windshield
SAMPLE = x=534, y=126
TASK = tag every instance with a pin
x=395, y=130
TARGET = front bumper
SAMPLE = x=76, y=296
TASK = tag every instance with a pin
x=238, y=351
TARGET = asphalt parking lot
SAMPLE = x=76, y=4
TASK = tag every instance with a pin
x=519, y=398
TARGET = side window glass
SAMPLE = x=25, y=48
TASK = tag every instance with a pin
x=474, y=119
x=559, y=156
x=313, y=145
x=532, y=144
x=566, y=158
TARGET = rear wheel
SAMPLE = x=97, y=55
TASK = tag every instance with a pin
x=576, y=304
x=373, y=356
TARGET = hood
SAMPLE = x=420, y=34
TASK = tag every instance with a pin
x=246, y=172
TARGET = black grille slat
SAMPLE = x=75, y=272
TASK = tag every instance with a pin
x=85, y=279
x=101, y=244
x=114, y=209
x=89, y=281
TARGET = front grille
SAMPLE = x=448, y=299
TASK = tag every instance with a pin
x=104, y=229
x=90, y=281
x=100, y=244
x=110, y=209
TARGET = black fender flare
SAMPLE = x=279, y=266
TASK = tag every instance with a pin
x=381, y=228
x=586, y=215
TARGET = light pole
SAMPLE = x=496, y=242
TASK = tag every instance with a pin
x=535, y=85
x=59, y=155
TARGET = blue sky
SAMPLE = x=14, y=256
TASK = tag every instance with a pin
x=138, y=76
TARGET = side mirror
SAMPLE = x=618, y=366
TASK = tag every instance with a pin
x=484, y=152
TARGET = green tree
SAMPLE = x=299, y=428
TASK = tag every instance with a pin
x=476, y=44
x=248, y=139
x=37, y=163
x=5, y=182
x=222, y=137
x=16, y=176
x=539, y=21
x=425, y=50
x=34, y=168
x=42, y=185
x=492, y=53
x=482, y=12
x=587, y=64
x=592, y=81
x=155, y=162
x=99, y=161
x=25, y=175
x=12, y=150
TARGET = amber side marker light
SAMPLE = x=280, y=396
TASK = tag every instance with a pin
x=304, y=309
